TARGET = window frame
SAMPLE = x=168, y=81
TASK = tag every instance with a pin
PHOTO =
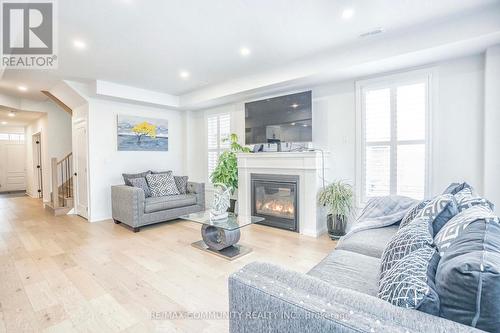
x=392, y=82
x=219, y=148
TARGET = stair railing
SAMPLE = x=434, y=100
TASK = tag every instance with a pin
x=62, y=180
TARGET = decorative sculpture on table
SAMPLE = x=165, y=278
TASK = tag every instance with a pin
x=221, y=203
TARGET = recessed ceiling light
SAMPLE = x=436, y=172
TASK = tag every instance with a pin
x=305, y=125
x=79, y=44
x=4, y=123
x=11, y=114
x=22, y=88
x=347, y=13
x=293, y=124
x=294, y=105
x=184, y=74
x=245, y=51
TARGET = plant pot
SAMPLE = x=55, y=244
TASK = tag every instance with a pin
x=232, y=206
x=336, y=226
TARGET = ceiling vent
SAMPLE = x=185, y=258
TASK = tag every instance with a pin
x=373, y=32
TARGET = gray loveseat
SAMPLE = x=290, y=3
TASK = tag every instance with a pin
x=131, y=207
x=337, y=295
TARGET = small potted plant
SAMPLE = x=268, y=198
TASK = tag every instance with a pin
x=337, y=197
x=226, y=171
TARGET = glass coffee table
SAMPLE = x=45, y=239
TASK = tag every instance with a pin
x=220, y=237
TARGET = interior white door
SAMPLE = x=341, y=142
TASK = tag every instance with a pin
x=81, y=191
x=12, y=166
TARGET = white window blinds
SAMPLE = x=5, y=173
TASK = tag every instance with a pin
x=218, y=129
x=394, y=140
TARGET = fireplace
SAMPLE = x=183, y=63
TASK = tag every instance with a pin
x=275, y=198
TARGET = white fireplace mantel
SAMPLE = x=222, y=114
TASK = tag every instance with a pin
x=307, y=165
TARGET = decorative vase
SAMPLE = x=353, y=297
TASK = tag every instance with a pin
x=232, y=206
x=221, y=202
x=336, y=226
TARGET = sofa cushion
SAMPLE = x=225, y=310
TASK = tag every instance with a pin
x=349, y=270
x=439, y=211
x=162, y=184
x=412, y=237
x=371, y=242
x=127, y=176
x=410, y=282
x=142, y=184
x=468, y=277
x=156, y=204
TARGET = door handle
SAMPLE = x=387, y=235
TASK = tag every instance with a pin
x=75, y=174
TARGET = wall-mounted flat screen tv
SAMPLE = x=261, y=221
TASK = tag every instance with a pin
x=285, y=119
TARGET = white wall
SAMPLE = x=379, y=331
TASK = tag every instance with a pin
x=106, y=163
x=457, y=131
x=492, y=125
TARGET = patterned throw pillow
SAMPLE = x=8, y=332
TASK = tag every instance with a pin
x=181, y=182
x=412, y=213
x=162, y=184
x=410, y=283
x=454, y=188
x=467, y=199
x=142, y=184
x=414, y=236
x=439, y=211
x=456, y=226
x=128, y=176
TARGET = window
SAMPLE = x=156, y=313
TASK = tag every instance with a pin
x=218, y=129
x=393, y=136
x=12, y=137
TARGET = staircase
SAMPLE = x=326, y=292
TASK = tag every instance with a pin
x=61, y=197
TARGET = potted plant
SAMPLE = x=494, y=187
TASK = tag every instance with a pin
x=226, y=171
x=337, y=197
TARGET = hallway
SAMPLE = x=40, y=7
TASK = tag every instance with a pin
x=63, y=274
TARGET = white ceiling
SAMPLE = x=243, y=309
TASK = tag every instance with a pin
x=22, y=118
x=146, y=43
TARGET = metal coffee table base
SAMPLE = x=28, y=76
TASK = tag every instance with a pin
x=221, y=242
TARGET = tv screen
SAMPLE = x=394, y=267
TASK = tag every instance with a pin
x=285, y=118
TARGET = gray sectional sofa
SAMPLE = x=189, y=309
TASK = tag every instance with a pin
x=337, y=295
x=131, y=207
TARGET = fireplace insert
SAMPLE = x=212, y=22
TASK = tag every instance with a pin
x=275, y=197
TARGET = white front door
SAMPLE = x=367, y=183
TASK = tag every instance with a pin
x=12, y=166
x=80, y=161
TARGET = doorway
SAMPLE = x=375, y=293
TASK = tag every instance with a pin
x=37, y=165
x=12, y=163
x=80, y=167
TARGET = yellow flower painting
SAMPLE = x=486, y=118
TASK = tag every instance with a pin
x=140, y=134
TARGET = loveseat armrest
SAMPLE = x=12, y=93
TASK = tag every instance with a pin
x=127, y=204
x=268, y=298
x=199, y=190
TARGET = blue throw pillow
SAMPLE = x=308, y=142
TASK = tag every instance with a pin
x=467, y=199
x=410, y=282
x=454, y=188
x=468, y=277
x=439, y=211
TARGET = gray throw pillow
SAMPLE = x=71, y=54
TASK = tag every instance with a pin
x=162, y=184
x=468, y=277
x=181, y=182
x=142, y=184
x=457, y=225
x=439, y=211
x=128, y=176
x=412, y=213
x=410, y=282
x=414, y=236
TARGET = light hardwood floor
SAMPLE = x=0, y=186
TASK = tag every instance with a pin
x=63, y=274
